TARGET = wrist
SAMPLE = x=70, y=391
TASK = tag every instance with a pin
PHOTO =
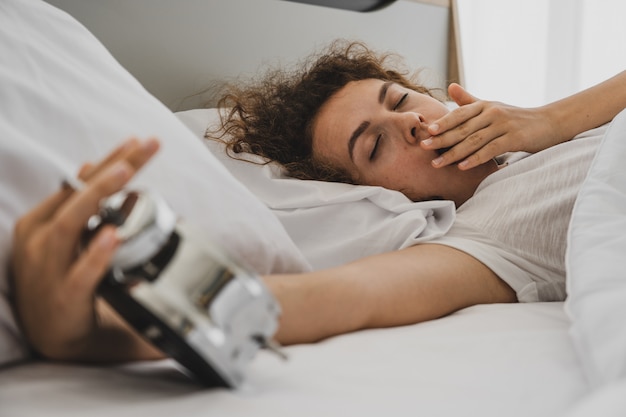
x=558, y=122
x=114, y=340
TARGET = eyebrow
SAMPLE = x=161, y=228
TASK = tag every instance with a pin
x=383, y=91
x=357, y=132
x=364, y=125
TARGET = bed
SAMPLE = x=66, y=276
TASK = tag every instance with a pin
x=539, y=359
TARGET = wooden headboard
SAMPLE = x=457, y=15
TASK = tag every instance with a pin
x=177, y=49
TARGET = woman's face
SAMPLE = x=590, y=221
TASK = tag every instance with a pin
x=372, y=130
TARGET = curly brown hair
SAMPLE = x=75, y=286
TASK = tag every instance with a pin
x=273, y=117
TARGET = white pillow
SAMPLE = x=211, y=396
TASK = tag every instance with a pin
x=332, y=223
x=596, y=273
x=64, y=100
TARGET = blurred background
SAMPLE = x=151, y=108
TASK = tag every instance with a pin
x=530, y=52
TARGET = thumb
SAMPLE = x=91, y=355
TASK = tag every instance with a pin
x=460, y=95
x=91, y=266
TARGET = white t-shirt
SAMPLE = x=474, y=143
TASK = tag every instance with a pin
x=516, y=222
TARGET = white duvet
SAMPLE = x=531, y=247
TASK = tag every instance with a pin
x=596, y=262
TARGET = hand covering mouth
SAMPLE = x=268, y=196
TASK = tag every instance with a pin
x=440, y=151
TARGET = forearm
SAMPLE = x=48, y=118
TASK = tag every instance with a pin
x=413, y=285
x=589, y=108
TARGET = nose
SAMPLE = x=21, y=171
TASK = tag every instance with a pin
x=413, y=127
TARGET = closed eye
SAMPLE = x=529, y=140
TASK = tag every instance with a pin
x=399, y=103
x=373, y=153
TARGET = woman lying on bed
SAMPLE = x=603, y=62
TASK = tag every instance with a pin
x=348, y=117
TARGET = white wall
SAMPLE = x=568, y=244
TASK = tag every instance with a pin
x=529, y=52
x=177, y=49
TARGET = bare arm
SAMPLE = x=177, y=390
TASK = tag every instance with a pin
x=416, y=284
x=589, y=108
x=63, y=319
x=480, y=130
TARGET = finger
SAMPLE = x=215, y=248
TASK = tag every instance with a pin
x=66, y=226
x=480, y=138
x=40, y=214
x=134, y=152
x=460, y=95
x=483, y=155
x=70, y=219
x=453, y=119
x=463, y=139
x=88, y=170
x=90, y=267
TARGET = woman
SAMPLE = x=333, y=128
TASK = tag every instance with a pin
x=351, y=117
x=345, y=117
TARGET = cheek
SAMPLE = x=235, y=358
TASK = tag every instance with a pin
x=410, y=158
x=407, y=171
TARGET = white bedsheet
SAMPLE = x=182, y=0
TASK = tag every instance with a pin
x=494, y=360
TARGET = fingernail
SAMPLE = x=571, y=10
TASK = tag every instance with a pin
x=121, y=170
x=150, y=145
x=464, y=164
x=434, y=128
x=107, y=239
x=427, y=142
x=437, y=161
